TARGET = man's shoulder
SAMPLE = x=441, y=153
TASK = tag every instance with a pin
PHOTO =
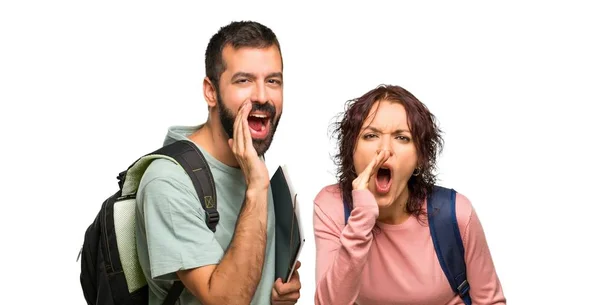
x=163, y=175
x=163, y=169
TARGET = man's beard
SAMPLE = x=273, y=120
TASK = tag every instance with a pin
x=227, y=119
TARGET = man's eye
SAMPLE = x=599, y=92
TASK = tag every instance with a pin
x=274, y=81
x=243, y=80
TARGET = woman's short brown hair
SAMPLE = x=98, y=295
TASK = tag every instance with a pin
x=424, y=130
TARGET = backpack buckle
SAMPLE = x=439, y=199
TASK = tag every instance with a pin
x=463, y=288
x=212, y=218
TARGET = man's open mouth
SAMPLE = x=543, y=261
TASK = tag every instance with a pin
x=259, y=124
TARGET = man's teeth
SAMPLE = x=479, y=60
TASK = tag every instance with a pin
x=260, y=116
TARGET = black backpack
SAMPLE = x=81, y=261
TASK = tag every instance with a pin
x=110, y=269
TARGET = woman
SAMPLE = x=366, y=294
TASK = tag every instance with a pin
x=388, y=144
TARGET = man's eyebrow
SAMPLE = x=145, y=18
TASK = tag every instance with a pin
x=253, y=77
x=275, y=74
x=243, y=74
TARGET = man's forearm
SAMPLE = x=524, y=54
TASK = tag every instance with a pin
x=236, y=278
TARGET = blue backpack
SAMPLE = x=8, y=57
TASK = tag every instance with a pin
x=446, y=238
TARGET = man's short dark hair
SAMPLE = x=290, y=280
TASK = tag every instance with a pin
x=238, y=34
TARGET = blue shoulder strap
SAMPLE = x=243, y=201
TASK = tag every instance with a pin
x=346, y=212
x=446, y=239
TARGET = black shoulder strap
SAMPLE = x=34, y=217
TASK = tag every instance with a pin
x=446, y=239
x=191, y=159
x=193, y=162
x=174, y=293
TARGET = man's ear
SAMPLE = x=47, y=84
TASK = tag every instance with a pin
x=210, y=92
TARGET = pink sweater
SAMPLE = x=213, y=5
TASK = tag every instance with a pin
x=398, y=265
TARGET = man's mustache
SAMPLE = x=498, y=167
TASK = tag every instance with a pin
x=266, y=107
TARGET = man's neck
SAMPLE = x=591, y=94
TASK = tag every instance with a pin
x=213, y=139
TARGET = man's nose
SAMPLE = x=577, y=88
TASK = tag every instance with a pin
x=260, y=93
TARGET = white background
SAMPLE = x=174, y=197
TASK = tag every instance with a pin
x=86, y=88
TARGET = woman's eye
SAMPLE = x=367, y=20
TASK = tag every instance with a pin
x=369, y=136
x=403, y=138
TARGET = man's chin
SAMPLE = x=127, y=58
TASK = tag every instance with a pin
x=261, y=146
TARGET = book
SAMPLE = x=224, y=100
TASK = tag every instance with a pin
x=289, y=236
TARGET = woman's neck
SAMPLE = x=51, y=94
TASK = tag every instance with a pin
x=395, y=213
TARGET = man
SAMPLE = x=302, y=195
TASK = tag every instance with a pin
x=243, y=88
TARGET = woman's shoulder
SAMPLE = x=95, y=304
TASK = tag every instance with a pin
x=464, y=207
x=328, y=194
x=329, y=201
x=464, y=211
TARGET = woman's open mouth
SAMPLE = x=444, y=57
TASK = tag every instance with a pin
x=383, y=181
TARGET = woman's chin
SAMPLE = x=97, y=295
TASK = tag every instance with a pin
x=384, y=202
x=385, y=199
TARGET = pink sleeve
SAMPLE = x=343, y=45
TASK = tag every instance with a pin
x=481, y=273
x=342, y=251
